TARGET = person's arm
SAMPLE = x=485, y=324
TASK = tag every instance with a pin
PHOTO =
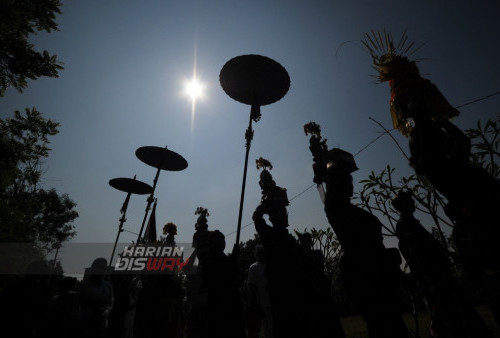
x=261, y=226
x=338, y=199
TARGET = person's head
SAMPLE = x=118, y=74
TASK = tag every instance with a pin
x=201, y=223
x=217, y=242
x=266, y=180
x=340, y=181
x=404, y=203
x=98, y=269
x=275, y=208
x=170, y=229
x=305, y=239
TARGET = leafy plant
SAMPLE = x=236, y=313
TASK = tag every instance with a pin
x=485, y=142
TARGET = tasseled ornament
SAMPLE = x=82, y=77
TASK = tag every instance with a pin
x=408, y=89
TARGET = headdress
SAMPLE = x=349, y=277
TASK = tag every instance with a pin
x=170, y=228
x=271, y=193
x=201, y=222
x=408, y=88
x=332, y=158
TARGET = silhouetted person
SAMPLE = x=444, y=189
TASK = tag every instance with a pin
x=170, y=229
x=257, y=283
x=96, y=301
x=440, y=151
x=326, y=319
x=368, y=272
x=452, y=314
x=159, y=306
x=126, y=290
x=198, y=296
x=288, y=286
x=221, y=278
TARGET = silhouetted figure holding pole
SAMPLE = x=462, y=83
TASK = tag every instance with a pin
x=440, y=152
x=368, y=276
x=452, y=314
x=288, y=287
x=368, y=270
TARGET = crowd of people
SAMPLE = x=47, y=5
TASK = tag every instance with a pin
x=285, y=292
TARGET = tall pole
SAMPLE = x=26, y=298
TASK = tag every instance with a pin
x=248, y=138
x=120, y=227
x=255, y=80
x=150, y=200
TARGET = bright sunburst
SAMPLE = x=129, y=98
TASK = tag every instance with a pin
x=193, y=89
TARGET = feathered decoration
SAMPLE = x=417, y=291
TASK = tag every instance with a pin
x=202, y=211
x=266, y=181
x=170, y=228
x=408, y=89
x=270, y=191
x=263, y=163
x=317, y=145
x=201, y=223
x=312, y=128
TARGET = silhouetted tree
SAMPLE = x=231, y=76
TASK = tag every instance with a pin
x=29, y=213
x=327, y=243
x=485, y=142
x=379, y=189
x=19, y=60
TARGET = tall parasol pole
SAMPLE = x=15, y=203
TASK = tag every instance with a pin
x=248, y=138
x=162, y=159
x=254, y=80
x=150, y=201
x=130, y=186
x=120, y=226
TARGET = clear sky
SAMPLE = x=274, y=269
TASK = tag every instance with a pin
x=126, y=62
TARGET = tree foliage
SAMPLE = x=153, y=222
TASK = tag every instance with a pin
x=29, y=213
x=19, y=61
x=379, y=190
x=485, y=141
x=326, y=242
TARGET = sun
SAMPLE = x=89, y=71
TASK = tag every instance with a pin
x=194, y=89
